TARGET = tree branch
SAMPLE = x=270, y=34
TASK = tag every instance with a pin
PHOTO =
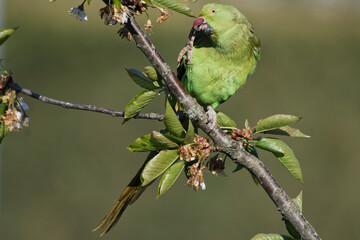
x=222, y=142
x=92, y=108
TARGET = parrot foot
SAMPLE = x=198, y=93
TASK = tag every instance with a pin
x=211, y=117
x=188, y=49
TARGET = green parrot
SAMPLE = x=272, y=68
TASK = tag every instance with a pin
x=224, y=55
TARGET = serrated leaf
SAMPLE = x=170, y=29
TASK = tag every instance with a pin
x=5, y=34
x=190, y=134
x=138, y=103
x=225, y=121
x=142, y=144
x=170, y=177
x=276, y=121
x=287, y=131
x=140, y=79
x=175, y=6
x=172, y=122
x=162, y=142
x=271, y=236
x=158, y=164
x=284, y=153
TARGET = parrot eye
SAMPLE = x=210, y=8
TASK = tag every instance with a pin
x=212, y=11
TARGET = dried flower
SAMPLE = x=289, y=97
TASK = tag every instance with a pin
x=79, y=12
x=203, y=149
x=148, y=26
x=196, y=179
x=11, y=120
x=113, y=15
x=124, y=33
x=164, y=15
x=216, y=166
x=187, y=152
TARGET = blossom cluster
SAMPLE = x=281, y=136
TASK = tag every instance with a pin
x=196, y=179
x=14, y=117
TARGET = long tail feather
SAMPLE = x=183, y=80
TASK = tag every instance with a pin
x=130, y=194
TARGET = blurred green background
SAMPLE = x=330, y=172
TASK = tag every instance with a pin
x=61, y=175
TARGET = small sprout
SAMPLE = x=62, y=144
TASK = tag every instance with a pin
x=245, y=133
x=79, y=12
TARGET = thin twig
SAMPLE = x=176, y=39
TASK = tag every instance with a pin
x=92, y=108
x=223, y=143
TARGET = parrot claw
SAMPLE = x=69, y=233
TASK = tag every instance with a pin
x=188, y=49
x=211, y=117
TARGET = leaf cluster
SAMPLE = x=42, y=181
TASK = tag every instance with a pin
x=166, y=143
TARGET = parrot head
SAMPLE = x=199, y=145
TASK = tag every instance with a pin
x=216, y=19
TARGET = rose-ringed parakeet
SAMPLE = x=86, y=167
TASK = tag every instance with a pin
x=224, y=54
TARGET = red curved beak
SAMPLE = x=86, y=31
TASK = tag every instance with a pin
x=198, y=22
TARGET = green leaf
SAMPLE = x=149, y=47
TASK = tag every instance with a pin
x=172, y=122
x=3, y=131
x=175, y=6
x=151, y=142
x=284, y=153
x=190, y=134
x=5, y=34
x=152, y=74
x=162, y=142
x=158, y=164
x=140, y=79
x=117, y=3
x=225, y=121
x=276, y=121
x=170, y=177
x=287, y=131
x=2, y=108
x=271, y=236
x=138, y=103
x=178, y=140
x=143, y=144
